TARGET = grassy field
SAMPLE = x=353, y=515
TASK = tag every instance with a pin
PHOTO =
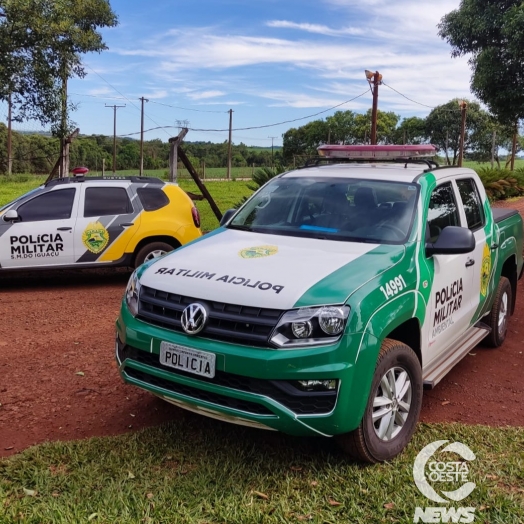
x=211, y=172
x=226, y=194
x=204, y=471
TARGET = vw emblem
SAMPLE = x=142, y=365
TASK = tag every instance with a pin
x=194, y=318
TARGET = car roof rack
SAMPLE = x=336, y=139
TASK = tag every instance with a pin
x=406, y=154
x=321, y=160
x=78, y=179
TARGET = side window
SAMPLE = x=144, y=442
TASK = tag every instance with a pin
x=152, y=198
x=471, y=201
x=55, y=205
x=103, y=201
x=442, y=211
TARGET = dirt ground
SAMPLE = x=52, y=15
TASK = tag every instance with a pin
x=59, y=381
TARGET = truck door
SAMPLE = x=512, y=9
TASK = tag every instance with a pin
x=43, y=233
x=475, y=218
x=450, y=300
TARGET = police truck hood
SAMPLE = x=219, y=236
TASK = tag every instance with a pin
x=270, y=271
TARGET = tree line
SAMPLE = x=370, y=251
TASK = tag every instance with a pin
x=37, y=153
x=484, y=135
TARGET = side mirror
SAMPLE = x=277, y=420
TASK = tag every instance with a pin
x=227, y=215
x=11, y=216
x=453, y=240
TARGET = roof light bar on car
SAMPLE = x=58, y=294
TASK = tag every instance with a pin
x=377, y=152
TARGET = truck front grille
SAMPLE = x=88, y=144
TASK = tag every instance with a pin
x=227, y=322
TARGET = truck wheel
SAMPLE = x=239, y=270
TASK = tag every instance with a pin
x=393, y=406
x=499, y=314
x=150, y=251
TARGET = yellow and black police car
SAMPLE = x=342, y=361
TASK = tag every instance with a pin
x=95, y=222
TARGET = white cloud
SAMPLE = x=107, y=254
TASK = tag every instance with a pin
x=315, y=28
x=205, y=94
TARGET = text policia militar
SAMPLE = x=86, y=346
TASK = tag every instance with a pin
x=237, y=281
x=447, y=301
x=29, y=246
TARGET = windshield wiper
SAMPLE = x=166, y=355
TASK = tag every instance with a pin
x=240, y=228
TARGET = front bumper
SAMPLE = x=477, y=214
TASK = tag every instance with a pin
x=252, y=386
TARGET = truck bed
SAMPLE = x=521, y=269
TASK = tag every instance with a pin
x=501, y=213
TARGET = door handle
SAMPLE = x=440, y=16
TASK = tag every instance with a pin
x=470, y=262
x=64, y=228
x=494, y=246
x=126, y=224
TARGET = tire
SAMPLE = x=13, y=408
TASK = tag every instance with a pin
x=387, y=437
x=499, y=314
x=150, y=251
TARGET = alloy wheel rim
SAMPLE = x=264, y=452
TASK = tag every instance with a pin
x=154, y=254
x=503, y=315
x=392, y=403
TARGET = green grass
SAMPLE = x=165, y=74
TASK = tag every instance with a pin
x=475, y=165
x=211, y=172
x=203, y=471
x=226, y=194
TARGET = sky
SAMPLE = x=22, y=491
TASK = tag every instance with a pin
x=270, y=62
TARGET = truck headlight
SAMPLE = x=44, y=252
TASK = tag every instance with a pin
x=310, y=326
x=132, y=294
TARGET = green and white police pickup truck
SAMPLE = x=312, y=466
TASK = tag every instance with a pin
x=327, y=302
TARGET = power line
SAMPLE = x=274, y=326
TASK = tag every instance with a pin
x=418, y=103
x=99, y=96
x=255, y=127
x=187, y=108
x=121, y=94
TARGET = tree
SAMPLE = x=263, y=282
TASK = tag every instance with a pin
x=386, y=125
x=443, y=128
x=303, y=141
x=492, y=32
x=41, y=42
x=341, y=127
x=412, y=130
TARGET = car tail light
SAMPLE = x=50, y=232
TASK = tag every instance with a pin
x=196, y=216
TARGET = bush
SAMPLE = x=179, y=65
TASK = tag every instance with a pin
x=260, y=177
x=501, y=184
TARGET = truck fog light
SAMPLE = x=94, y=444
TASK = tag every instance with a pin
x=318, y=385
x=302, y=329
x=331, y=320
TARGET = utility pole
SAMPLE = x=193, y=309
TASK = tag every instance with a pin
x=272, y=138
x=374, y=80
x=115, y=107
x=9, y=136
x=229, y=145
x=142, y=99
x=463, y=109
x=64, y=157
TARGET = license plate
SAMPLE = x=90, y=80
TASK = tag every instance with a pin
x=186, y=359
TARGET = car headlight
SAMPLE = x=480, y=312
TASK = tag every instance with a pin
x=310, y=326
x=132, y=294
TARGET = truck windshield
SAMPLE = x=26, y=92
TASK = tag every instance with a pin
x=347, y=209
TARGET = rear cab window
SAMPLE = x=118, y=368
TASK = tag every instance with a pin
x=152, y=198
x=470, y=197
